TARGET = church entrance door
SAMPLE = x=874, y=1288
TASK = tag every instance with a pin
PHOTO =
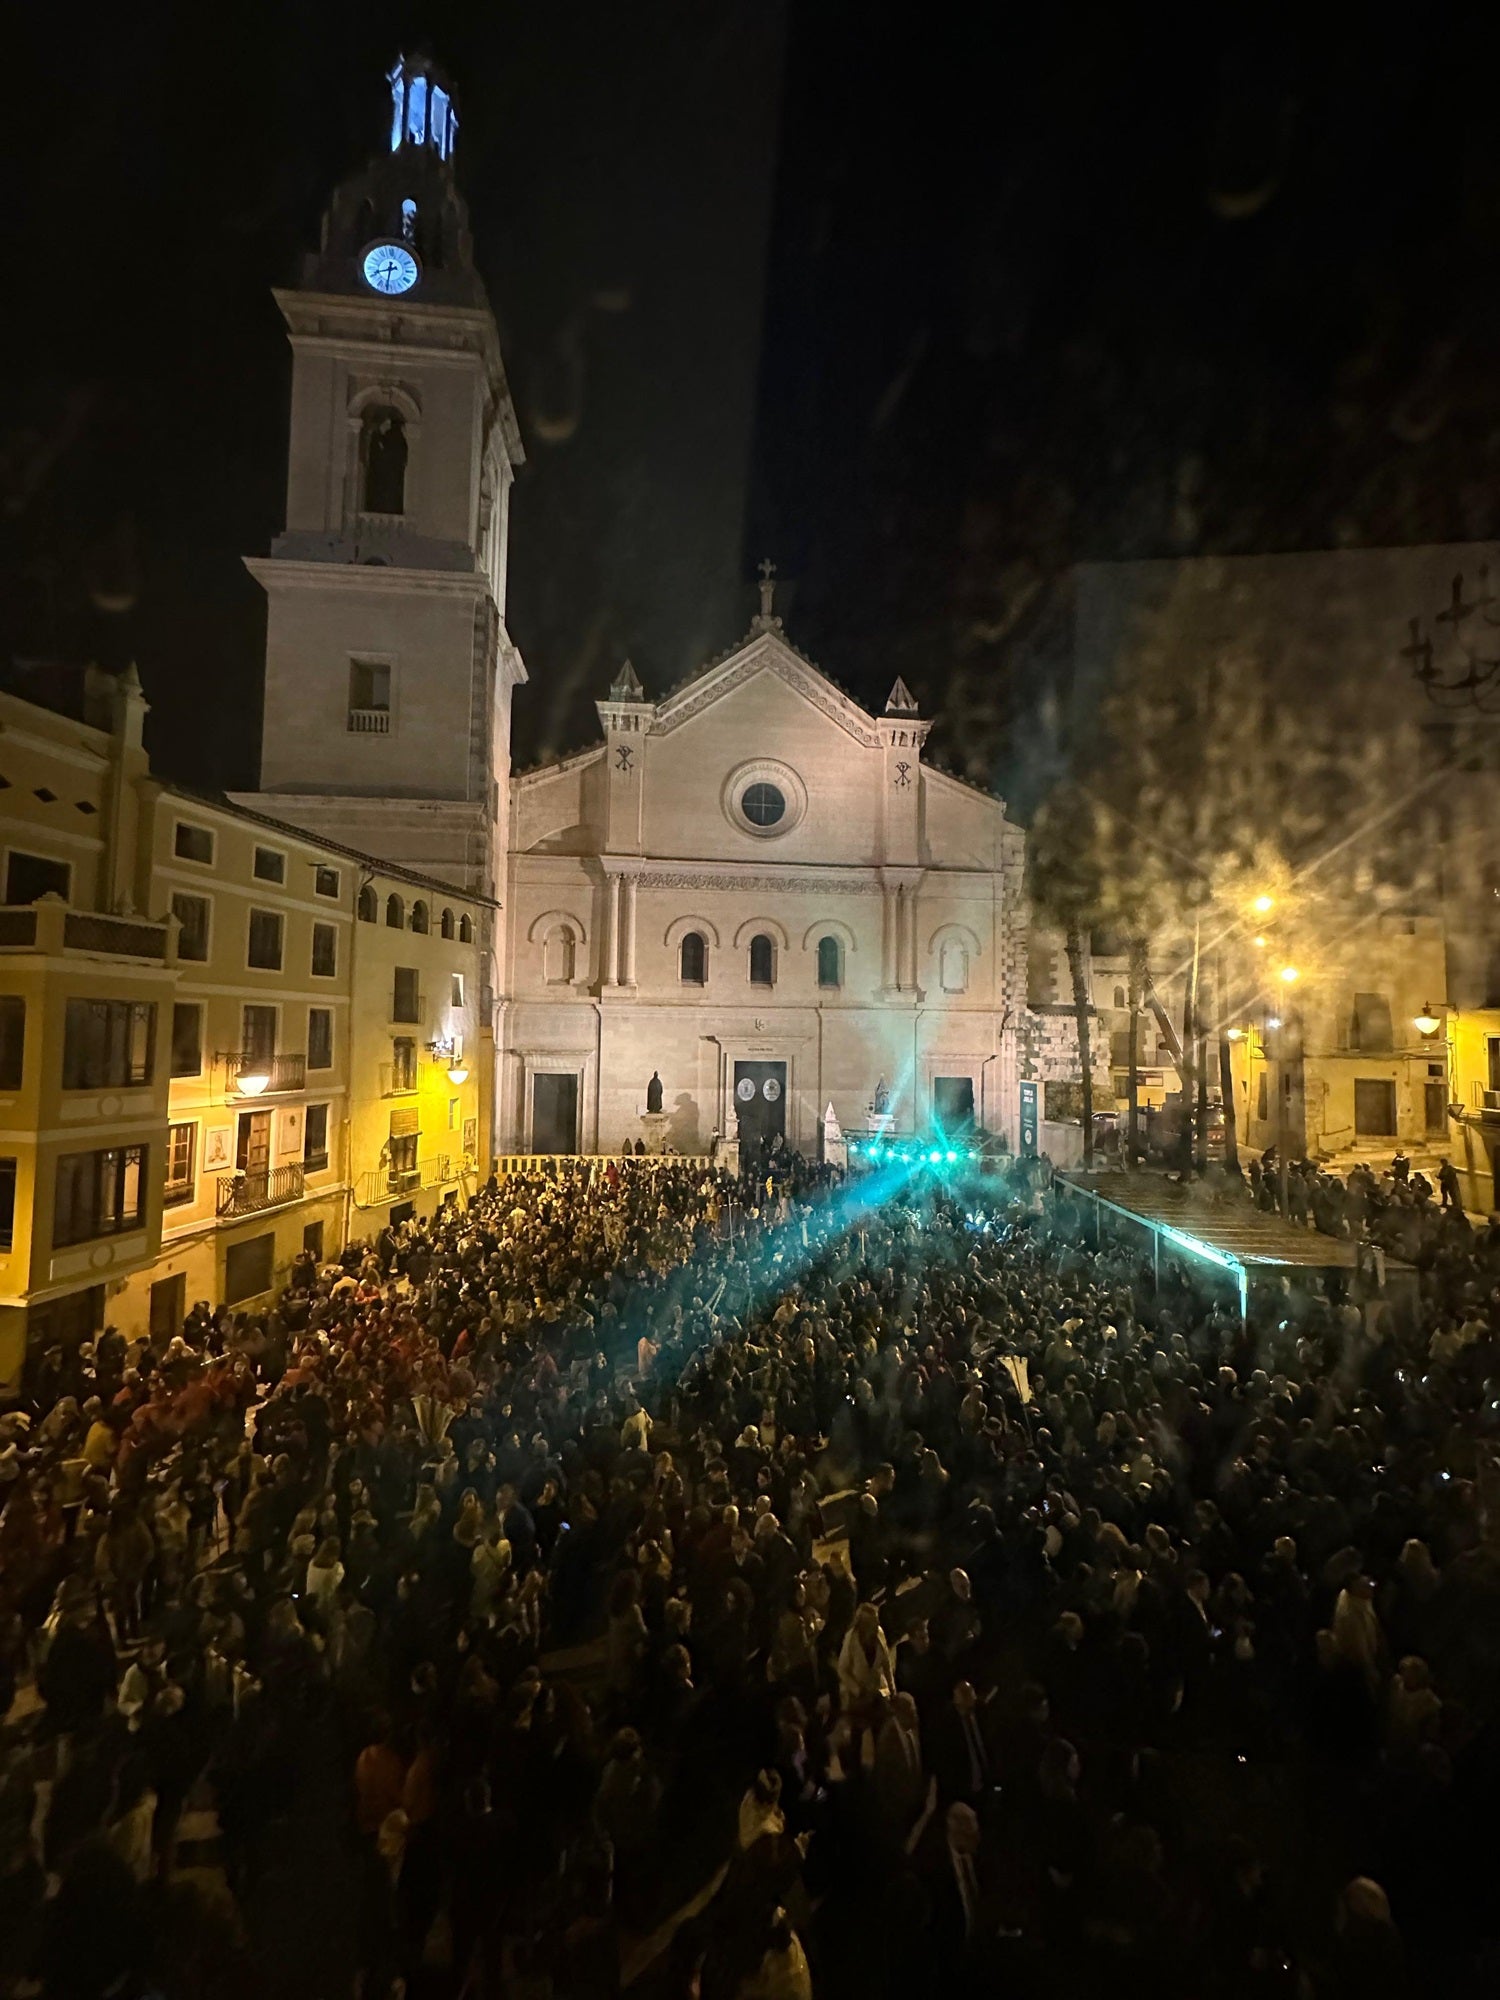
x=760, y=1100
x=554, y=1113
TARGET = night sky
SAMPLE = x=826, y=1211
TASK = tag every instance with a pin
x=924, y=306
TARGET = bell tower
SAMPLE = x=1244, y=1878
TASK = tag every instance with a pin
x=389, y=669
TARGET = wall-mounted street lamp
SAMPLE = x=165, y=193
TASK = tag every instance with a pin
x=1427, y=1023
x=446, y=1049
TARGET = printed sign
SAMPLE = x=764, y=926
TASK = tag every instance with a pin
x=1029, y=1094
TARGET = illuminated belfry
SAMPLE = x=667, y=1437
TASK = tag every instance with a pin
x=422, y=112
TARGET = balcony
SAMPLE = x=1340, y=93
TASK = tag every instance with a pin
x=281, y=1073
x=391, y=1183
x=51, y=927
x=369, y=722
x=398, y=1079
x=248, y=1194
x=1489, y=1105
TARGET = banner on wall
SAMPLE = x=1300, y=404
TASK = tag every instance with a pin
x=1029, y=1096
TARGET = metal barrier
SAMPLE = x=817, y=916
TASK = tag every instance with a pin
x=247, y=1194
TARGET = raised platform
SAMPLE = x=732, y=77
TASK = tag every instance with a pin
x=1223, y=1229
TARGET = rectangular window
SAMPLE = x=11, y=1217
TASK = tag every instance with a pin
x=191, y=913
x=265, y=940
x=187, y=1038
x=1370, y=1028
x=370, y=687
x=320, y=1038
x=12, y=1040
x=406, y=1001
x=404, y=1153
x=403, y=1063
x=270, y=865
x=456, y=990
x=325, y=951
x=1494, y=1062
x=181, y=1145
x=258, y=1033
x=193, y=843
x=107, y=1044
x=315, y=1138
x=248, y=1268
x=453, y=1108
x=7, y=1203
x=99, y=1194
x=325, y=882
x=29, y=877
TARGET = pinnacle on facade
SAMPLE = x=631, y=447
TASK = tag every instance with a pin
x=626, y=685
x=901, y=700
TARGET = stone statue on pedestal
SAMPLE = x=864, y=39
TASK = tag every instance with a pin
x=653, y=1093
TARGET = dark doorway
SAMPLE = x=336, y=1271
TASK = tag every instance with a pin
x=312, y=1239
x=1437, y=1108
x=760, y=1101
x=64, y=1322
x=953, y=1104
x=1374, y=1108
x=554, y=1113
x=168, y=1307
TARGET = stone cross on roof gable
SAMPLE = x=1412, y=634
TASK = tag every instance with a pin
x=765, y=619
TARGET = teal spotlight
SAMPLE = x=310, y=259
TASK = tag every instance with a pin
x=933, y=1158
x=952, y=1156
x=973, y=1153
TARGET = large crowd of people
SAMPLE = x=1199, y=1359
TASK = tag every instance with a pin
x=632, y=1579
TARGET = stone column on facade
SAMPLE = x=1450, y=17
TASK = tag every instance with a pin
x=909, y=968
x=890, y=913
x=627, y=934
x=610, y=955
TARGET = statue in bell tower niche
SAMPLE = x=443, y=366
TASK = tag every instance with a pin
x=653, y=1093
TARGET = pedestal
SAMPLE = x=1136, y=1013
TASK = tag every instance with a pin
x=654, y=1128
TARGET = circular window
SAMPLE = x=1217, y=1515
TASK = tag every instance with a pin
x=763, y=805
x=765, y=798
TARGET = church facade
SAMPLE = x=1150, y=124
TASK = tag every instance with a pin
x=750, y=900
x=758, y=894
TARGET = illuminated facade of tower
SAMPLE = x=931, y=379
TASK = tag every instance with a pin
x=389, y=669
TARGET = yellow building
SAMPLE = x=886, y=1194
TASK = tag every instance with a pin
x=291, y=1049
x=1474, y=1135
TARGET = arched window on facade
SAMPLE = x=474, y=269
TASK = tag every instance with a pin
x=558, y=958
x=395, y=913
x=445, y=924
x=762, y=960
x=465, y=930
x=369, y=904
x=419, y=919
x=1120, y=999
x=692, y=960
x=382, y=462
x=953, y=967
x=830, y=962
x=408, y=220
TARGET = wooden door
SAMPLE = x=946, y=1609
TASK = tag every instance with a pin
x=253, y=1155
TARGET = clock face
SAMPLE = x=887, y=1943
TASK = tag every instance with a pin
x=389, y=268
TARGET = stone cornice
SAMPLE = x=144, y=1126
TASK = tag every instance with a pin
x=375, y=579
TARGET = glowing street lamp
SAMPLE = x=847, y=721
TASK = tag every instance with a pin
x=1234, y=1034
x=1263, y=905
x=458, y=1073
x=1427, y=1023
x=1289, y=975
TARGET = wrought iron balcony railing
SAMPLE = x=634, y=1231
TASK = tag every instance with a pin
x=281, y=1073
x=247, y=1194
